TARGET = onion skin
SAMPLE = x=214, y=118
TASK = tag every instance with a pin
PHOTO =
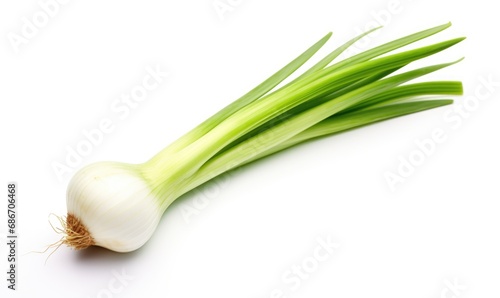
x=114, y=204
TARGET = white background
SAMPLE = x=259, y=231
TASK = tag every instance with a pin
x=439, y=227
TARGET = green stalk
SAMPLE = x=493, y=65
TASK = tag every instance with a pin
x=411, y=90
x=226, y=139
x=334, y=54
x=278, y=134
x=397, y=94
x=286, y=71
x=307, y=105
x=320, y=83
x=352, y=120
x=390, y=46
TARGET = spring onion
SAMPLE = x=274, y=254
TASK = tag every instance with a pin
x=118, y=205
